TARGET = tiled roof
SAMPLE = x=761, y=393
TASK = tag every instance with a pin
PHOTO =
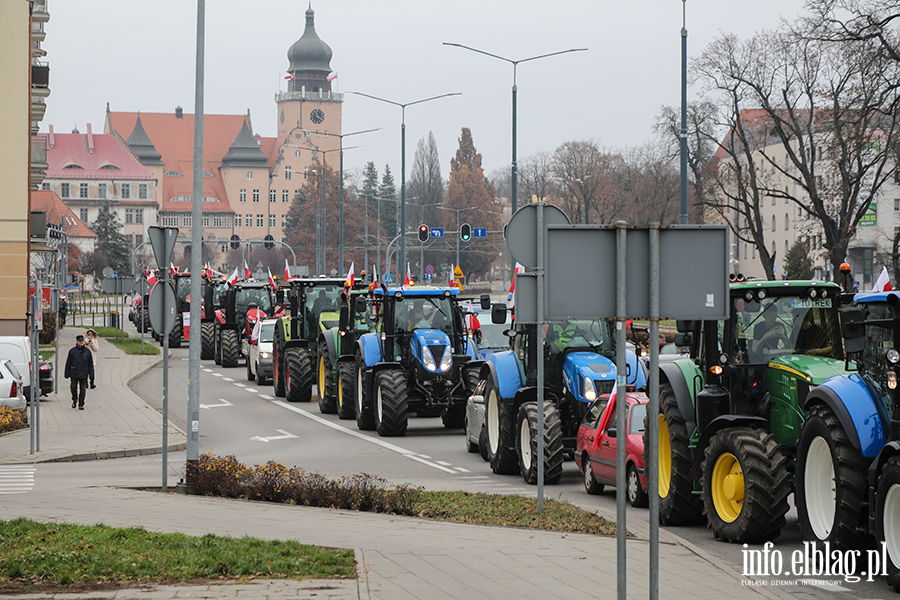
x=57, y=212
x=173, y=137
x=84, y=156
x=140, y=144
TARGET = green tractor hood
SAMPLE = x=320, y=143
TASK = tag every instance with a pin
x=812, y=369
x=329, y=319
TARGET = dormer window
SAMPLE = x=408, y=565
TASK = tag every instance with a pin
x=111, y=167
x=172, y=174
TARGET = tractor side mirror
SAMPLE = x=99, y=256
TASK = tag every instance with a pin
x=686, y=326
x=485, y=301
x=684, y=339
x=853, y=328
x=279, y=297
x=510, y=333
x=360, y=304
x=498, y=314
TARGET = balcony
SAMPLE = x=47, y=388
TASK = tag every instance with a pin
x=39, y=12
x=40, y=75
x=320, y=96
x=39, y=163
x=38, y=109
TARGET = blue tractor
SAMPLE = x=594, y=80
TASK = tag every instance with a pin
x=848, y=455
x=419, y=358
x=579, y=366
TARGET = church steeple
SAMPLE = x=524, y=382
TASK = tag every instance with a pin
x=310, y=60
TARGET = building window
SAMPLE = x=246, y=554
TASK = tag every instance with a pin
x=260, y=221
x=64, y=190
x=206, y=220
x=273, y=196
x=186, y=220
x=45, y=185
x=248, y=221
x=139, y=215
x=243, y=195
x=142, y=191
x=896, y=204
x=249, y=174
x=82, y=190
x=170, y=220
x=786, y=221
x=126, y=191
x=773, y=224
x=237, y=220
x=285, y=197
x=256, y=195
x=101, y=191
x=138, y=239
x=83, y=215
x=129, y=215
x=297, y=153
x=271, y=220
x=283, y=221
x=287, y=172
x=305, y=172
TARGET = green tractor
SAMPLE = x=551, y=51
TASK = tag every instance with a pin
x=337, y=347
x=313, y=306
x=730, y=413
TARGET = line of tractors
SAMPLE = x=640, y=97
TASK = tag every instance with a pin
x=796, y=392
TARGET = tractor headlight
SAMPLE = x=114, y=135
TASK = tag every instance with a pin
x=892, y=356
x=447, y=359
x=892, y=380
x=428, y=360
x=590, y=392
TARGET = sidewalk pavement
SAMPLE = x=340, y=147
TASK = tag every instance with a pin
x=398, y=558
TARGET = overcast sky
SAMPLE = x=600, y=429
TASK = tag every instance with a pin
x=139, y=56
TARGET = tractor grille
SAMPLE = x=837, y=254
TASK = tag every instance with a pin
x=604, y=387
x=437, y=352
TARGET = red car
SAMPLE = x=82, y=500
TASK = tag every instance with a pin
x=599, y=466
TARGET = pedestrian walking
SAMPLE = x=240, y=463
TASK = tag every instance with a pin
x=79, y=368
x=63, y=311
x=92, y=341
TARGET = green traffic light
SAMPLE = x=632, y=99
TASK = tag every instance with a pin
x=465, y=232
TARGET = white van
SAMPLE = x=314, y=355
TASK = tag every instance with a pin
x=17, y=348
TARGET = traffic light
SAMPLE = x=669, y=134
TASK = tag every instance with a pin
x=465, y=232
x=423, y=233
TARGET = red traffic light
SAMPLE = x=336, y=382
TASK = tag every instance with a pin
x=423, y=233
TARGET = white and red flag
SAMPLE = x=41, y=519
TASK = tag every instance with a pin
x=232, y=279
x=883, y=283
x=247, y=273
x=607, y=416
x=287, y=271
x=289, y=76
x=349, y=282
x=271, y=279
x=511, y=299
x=407, y=280
x=151, y=277
x=374, y=276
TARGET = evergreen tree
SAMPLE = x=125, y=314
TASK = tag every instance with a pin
x=797, y=263
x=389, y=208
x=111, y=242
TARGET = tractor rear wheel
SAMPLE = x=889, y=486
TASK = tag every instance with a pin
x=207, y=341
x=300, y=375
x=365, y=413
x=831, y=482
x=745, y=485
x=217, y=344
x=279, y=364
x=678, y=505
x=471, y=377
x=500, y=424
x=528, y=430
x=231, y=348
x=345, y=392
x=145, y=320
x=887, y=517
x=177, y=333
x=325, y=382
x=391, y=408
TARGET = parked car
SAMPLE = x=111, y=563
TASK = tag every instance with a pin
x=17, y=348
x=599, y=466
x=45, y=369
x=476, y=435
x=11, y=387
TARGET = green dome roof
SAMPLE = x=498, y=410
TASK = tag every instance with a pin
x=310, y=53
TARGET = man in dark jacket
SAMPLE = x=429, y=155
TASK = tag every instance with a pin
x=79, y=368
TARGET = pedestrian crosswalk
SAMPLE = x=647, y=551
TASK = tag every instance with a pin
x=16, y=479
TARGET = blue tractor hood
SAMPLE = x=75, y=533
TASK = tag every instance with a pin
x=433, y=344
x=600, y=370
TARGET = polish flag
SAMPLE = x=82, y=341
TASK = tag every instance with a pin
x=151, y=277
x=607, y=416
x=511, y=299
x=407, y=280
x=289, y=76
x=271, y=279
x=332, y=77
x=287, y=271
x=247, y=273
x=349, y=282
x=173, y=269
x=232, y=279
x=883, y=283
x=374, y=277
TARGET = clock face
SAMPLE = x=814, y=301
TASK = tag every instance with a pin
x=282, y=116
x=317, y=116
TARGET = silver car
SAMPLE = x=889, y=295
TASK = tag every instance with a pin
x=12, y=392
x=476, y=434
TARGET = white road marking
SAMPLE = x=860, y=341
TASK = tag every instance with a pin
x=227, y=379
x=476, y=477
x=440, y=462
x=240, y=384
x=461, y=470
x=208, y=370
x=286, y=436
x=217, y=374
x=356, y=434
x=264, y=397
x=224, y=403
x=425, y=456
x=251, y=390
x=16, y=479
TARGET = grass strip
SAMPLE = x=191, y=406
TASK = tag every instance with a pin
x=511, y=511
x=42, y=556
x=133, y=346
x=109, y=332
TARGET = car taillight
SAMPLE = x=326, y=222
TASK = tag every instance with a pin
x=46, y=367
x=14, y=390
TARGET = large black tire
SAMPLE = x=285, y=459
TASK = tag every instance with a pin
x=471, y=376
x=527, y=431
x=678, y=505
x=325, y=382
x=745, y=485
x=887, y=510
x=454, y=416
x=145, y=320
x=217, y=343
x=365, y=412
x=483, y=443
x=207, y=341
x=231, y=348
x=177, y=333
x=591, y=485
x=831, y=482
x=500, y=423
x=299, y=375
x=346, y=392
x=279, y=364
x=391, y=408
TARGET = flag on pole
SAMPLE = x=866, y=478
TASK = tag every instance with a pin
x=511, y=299
x=883, y=283
x=332, y=77
x=271, y=279
x=247, y=273
x=407, y=280
x=173, y=269
x=607, y=416
x=374, y=277
x=287, y=271
x=289, y=76
x=349, y=282
x=151, y=277
x=232, y=279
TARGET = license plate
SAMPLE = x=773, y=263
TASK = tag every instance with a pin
x=810, y=303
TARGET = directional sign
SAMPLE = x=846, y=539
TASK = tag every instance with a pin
x=162, y=323
x=437, y=232
x=163, y=241
x=479, y=232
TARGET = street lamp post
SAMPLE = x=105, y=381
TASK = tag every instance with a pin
x=683, y=134
x=514, y=90
x=320, y=215
x=403, y=156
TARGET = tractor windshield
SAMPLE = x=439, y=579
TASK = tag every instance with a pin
x=579, y=334
x=424, y=312
x=259, y=297
x=783, y=326
x=322, y=298
x=218, y=292
x=182, y=289
x=879, y=339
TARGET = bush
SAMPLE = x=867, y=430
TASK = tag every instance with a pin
x=11, y=420
x=273, y=482
x=47, y=335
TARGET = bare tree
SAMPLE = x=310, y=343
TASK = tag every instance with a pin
x=536, y=177
x=583, y=172
x=854, y=20
x=650, y=185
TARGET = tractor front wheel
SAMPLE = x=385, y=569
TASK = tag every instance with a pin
x=528, y=430
x=501, y=437
x=346, y=394
x=745, y=485
x=365, y=414
x=887, y=517
x=300, y=375
x=325, y=382
x=391, y=408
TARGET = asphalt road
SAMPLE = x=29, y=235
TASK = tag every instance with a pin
x=247, y=421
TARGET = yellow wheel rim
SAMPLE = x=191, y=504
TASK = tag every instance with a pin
x=665, y=458
x=340, y=393
x=728, y=487
x=321, y=375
